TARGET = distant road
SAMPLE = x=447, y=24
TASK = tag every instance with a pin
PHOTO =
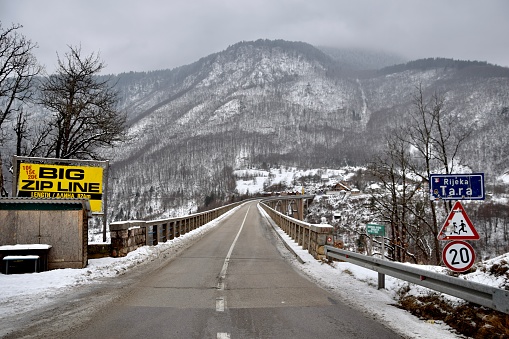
x=232, y=283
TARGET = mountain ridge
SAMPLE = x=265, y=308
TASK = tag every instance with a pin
x=278, y=102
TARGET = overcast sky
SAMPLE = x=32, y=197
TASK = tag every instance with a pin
x=144, y=35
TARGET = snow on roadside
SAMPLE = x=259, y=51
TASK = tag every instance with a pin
x=24, y=292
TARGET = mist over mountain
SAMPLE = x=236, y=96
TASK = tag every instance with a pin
x=362, y=59
x=273, y=102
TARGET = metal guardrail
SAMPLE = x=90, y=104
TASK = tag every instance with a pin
x=489, y=296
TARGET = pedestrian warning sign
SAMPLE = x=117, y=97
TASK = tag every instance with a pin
x=458, y=225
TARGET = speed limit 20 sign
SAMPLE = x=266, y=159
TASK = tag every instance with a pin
x=459, y=256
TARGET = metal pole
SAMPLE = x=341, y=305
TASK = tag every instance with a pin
x=381, y=281
x=383, y=247
x=105, y=199
x=381, y=276
x=14, y=175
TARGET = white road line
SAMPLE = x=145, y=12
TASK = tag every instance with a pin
x=220, y=303
x=222, y=275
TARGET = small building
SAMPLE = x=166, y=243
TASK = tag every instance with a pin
x=61, y=224
x=355, y=191
x=339, y=188
x=373, y=188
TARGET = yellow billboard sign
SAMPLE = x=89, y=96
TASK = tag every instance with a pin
x=62, y=182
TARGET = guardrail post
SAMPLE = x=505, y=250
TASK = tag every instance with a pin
x=155, y=234
x=171, y=230
x=381, y=281
x=164, y=232
x=147, y=235
x=309, y=240
x=298, y=239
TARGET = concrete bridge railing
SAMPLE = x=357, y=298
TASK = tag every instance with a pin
x=311, y=237
x=127, y=236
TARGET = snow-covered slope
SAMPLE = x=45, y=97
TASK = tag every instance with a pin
x=283, y=103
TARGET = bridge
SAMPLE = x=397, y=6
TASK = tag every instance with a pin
x=287, y=211
x=232, y=283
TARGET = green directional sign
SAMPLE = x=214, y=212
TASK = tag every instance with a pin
x=374, y=229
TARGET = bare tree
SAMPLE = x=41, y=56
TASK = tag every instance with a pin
x=399, y=205
x=18, y=68
x=436, y=136
x=84, y=106
x=31, y=138
x=428, y=144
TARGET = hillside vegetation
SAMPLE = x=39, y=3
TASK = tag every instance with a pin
x=286, y=103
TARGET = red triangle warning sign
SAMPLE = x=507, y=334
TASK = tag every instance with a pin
x=458, y=225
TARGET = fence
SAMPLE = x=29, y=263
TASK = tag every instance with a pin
x=311, y=237
x=127, y=236
x=492, y=297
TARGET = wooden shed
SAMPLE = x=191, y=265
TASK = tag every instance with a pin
x=60, y=223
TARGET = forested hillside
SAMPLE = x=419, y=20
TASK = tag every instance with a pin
x=278, y=102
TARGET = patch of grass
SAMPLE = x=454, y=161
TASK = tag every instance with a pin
x=499, y=269
x=347, y=271
x=467, y=319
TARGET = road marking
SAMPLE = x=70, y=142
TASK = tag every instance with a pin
x=220, y=304
x=222, y=275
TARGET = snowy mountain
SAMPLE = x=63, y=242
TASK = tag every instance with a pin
x=268, y=103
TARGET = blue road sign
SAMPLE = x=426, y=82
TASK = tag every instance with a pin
x=457, y=186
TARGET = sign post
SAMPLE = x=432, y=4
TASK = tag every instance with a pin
x=459, y=256
x=458, y=226
x=35, y=177
x=457, y=186
x=378, y=230
x=61, y=182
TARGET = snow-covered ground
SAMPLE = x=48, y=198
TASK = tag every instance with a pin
x=355, y=285
x=253, y=180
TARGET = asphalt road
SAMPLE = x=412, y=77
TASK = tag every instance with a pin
x=232, y=283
